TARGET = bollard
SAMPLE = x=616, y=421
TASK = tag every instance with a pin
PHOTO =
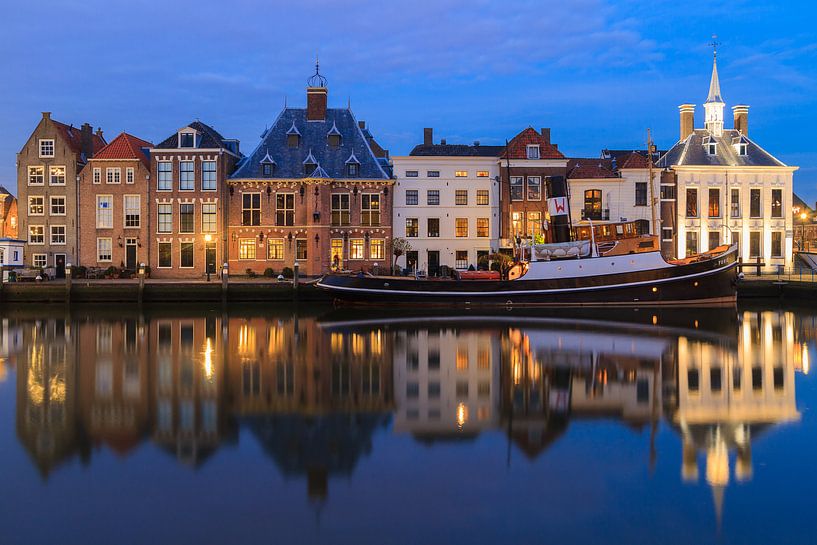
x=68, y=283
x=295, y=278
x=141, y=293
x=225, y=274
x=376, y=269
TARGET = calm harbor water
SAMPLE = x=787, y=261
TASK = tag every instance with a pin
x=314, y=425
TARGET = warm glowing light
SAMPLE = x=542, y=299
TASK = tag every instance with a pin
x=805, y=362
x=654, y=319
x=803, y=216
x=462, y=415
x=336, y=343
x=655, y=290
x=376, y=343
x=208, y=360
x=208, y=238
x=246, y=340
x=357, y=344
x=462, y=358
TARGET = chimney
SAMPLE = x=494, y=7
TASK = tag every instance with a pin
x=86, y=140
x=428, y=136
x=442, y=142
x=546, y=135
x=741, y=113
x=316, y=103
x=46, y=115
x=687, y=119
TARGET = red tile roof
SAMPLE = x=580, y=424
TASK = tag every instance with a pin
x=125, y=146
x=583, y=169
x=517, y=147
x=73, y=136
x=633, y=160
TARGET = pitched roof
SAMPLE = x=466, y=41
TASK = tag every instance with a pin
x=691, y=152
x=289, y=162
x=517, y=147
x=73, y=137
x=125, y=146
x=583, y=169
x=456, y=150
x=209, y=138
x=633, y=160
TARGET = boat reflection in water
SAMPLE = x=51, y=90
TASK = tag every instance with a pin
x=314, y=390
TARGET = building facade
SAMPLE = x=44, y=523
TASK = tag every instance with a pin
x=188, y=212
x=446, y=204
x=726, y=188
x=527, y=162
x=316, y=191
x=47, y=168
x=114, y=198
x=613, y=187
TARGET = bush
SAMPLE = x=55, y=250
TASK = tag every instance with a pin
x=269, y=272
x=78, y=271
x=250, y=273
x=111, y=271
x=495, y=266
x=288, y=272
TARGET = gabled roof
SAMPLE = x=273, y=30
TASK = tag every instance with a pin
x=633, y=160
x=209, y=138
x=691, y=152
x=456, y=150
x=73, y=137
x=313, y=145
x=517, y=147
x=583, y=169
x=126, y=146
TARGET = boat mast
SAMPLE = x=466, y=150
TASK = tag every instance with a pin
x=650, y=149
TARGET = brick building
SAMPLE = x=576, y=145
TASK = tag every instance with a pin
x=315, y=190
x=47, y=168
x=114, y=193
x=8, y=214
x=187, y=213
x=528, y=160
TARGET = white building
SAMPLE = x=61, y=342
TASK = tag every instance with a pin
x=614, y=187
x=727, y=188
x=446, y=204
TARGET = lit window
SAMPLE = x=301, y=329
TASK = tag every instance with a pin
x=412, y=227
x=104, y=249
x=36, y=234
x=482, y=197
x=56, y=175
x=461, y=197
x=46, y=148
x=482, y=227
x=36, y=206
x=246, y=248
x=461, y=227
x=377, y=248
x=36, y=175
x=356, y=248
x=482, y=174
x=534, y=224
x=461, y=173
x=370, y=209
x=208, y=217
x=275, y=248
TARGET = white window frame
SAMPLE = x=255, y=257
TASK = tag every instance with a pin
x=51, y=205
x=460, y=173
x=113, y=176
x=99, y=200
x=41, y=235
x=41, y=205
x=192, y=265
x=99, y=242
x=532, y=152
x=125, y=209
x=129, y=175
x=41, y=175
x=51, y=170
x=521, y=185
x=487, y=222
x=42, y=143
x=191, y=133
x=213, y=214
x=379, y=243
x=193, y=208
x=247, y=243
x=527, y=188
x=361, y=249
x=164, y=176
x=97, y=176
x=34, y=259
x=279, y=243
x=159, y=215
x=205, y=181
x=159, y=255
x=51, y=234
x=184, y=174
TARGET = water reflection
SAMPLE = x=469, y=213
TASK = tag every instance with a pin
x=313, y=390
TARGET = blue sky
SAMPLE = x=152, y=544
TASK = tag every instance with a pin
x=597, y=72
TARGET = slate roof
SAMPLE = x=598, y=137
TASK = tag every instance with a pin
x=208, y=138
x=691, y=152
x=289, y=162
x=126, y=146
x=457, y=150
x=517, y=147
x=583, y=169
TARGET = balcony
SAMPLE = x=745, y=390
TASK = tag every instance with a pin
x=596, y=215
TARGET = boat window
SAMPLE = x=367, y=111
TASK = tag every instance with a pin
x=620, y=229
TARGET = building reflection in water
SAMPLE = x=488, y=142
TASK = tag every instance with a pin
x=314, y=392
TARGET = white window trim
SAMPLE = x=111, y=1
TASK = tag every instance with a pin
x=193, y=205
x=29, y=236
x=363, y=248
x=382, y=245
x=51, y=235
x=34, y=260
x=283, y=253
x=525, y=189
x=28, y=179
x=240, y=240
x=460, y=174
x=181, y=162
x=159, y=175
x=96, y=218
x=528, y=149
x=98, y=239
x=125, y=210
x=40, y=143
x=215, y=207
x=193, y=246
x=158, y=254
x=187, y=131
x=215, y=188
x=130, y=175
x=51, y=205
x=97, y=176
x=158, y=223
x=64, y=175
x=42, y=198
x=113, y=176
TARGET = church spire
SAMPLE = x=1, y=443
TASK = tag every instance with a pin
x=714, y=104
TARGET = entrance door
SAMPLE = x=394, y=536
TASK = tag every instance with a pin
x=433, y=262
x=411, y=260
x=210, y=257
x=59, y=265
x=130, y=254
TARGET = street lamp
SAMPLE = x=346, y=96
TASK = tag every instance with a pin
x=803, y=217
x=207, y=238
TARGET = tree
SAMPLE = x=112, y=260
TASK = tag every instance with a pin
x=504, y=261
x=399, y=246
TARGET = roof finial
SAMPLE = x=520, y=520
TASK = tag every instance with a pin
x=714, y=43
x=714, y=82
x=317, y=80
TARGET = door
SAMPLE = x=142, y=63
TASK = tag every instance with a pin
x=411, y=260
x=433, y=262
x=210, y=257
x=130, y=254
x=59, y=265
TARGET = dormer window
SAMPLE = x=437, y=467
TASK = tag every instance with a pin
x=742, y=148
x=710, y=146
x=293, y=136
x=533, y=151
x=352, y=166
x=310, y=164
x=333, y=136
x=187, y=140
x=741, y=145
x=267, y=165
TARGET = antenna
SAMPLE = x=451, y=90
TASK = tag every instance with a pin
x=650, y=150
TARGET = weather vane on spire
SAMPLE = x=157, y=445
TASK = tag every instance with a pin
x=316, y=79
x=715, y=43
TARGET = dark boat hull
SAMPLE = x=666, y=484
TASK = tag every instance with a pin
x=703, y=283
